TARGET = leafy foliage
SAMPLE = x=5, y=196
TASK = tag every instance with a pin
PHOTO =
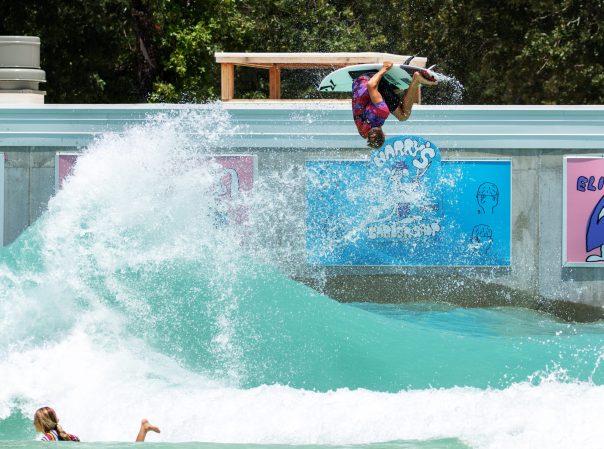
x=86, y=48
x=512, y=51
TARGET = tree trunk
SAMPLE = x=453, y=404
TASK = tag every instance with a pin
x=144, y=29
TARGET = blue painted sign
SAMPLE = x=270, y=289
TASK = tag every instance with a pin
x=404, y=207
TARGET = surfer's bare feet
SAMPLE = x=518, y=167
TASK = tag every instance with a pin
x=417, y=77
x=146, y=426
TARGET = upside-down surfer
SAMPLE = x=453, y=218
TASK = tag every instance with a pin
x=373, y=99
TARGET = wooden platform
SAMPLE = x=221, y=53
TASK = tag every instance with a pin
x=274, y=62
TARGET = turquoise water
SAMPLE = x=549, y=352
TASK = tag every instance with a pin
x=128, y=300
x=433, y=444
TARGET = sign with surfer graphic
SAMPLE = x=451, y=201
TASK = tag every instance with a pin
x=405, y=207
x=583, y=226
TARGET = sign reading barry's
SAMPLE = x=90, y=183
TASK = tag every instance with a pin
x=418, y=154
x=408, y=207
x=402, y=206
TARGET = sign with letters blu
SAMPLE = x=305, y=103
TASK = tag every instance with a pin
x=583, y=211
x=404, y=207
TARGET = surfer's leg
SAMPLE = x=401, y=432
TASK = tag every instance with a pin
x=411, y=96
x=145, y=427
x=403, y=111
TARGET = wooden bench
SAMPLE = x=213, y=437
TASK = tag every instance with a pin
x=274, y=62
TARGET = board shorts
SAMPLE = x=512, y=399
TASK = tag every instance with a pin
x=366, y=114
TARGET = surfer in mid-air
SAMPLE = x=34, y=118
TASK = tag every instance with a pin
x=374, y=99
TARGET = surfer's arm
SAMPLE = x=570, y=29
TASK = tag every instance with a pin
x=372, y=84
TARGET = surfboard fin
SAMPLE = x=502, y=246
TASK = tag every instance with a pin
x=432, y=66
x=409, y=59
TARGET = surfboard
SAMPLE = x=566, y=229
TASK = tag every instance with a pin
x=399, y=75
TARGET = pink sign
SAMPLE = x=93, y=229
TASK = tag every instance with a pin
x=64, y=165
x=238, y=174
x=237, y=179
x=584, y=205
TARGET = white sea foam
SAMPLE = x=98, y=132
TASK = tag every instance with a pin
x=104, y=391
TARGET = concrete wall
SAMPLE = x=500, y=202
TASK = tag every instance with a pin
x=286, y=134
x=536, y=275
x=28, y=185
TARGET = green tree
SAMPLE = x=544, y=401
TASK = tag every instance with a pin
x=87, y=48
x=193, y=31
x=563, y=59
x=515, y=51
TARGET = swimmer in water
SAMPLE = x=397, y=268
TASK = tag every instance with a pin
x=46, y=422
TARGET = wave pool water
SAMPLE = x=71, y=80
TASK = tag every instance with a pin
x=127, y=300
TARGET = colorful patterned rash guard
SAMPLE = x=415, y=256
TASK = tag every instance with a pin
x=366, y=114
x=53, y=435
